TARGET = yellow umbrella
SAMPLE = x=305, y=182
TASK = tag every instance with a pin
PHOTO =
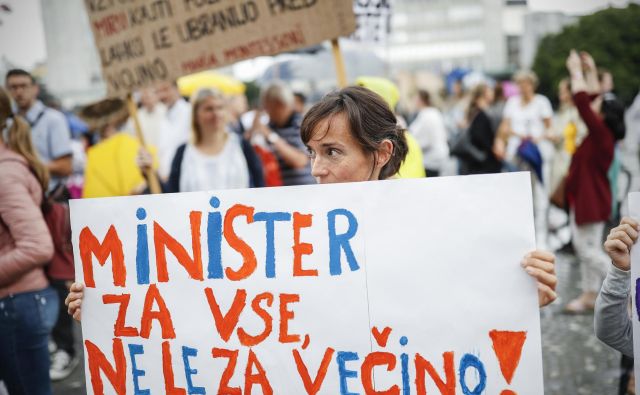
x=412, y=166
x=209, y=79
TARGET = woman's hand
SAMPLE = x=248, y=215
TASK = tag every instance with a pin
x=144, y=160
x=588, y=64
x=619, y=243
x=574, y=63
x=74, y=300
x=541, y=266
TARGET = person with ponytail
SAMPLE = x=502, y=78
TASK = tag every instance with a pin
x=28, y=305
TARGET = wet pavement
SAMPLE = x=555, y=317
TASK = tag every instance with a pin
x=575, y=362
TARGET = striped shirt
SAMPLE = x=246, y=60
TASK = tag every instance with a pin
x=291, y=134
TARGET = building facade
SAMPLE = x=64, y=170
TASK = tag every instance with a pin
x=73, y=65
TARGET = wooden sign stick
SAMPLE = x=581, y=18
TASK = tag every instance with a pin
x=339, y=61
x=150, y=174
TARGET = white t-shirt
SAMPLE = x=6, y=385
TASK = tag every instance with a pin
x=526, y=120
x=226, y=170
x=178, y=132
x=429, y=130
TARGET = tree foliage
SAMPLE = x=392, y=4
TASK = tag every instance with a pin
x=612, y=36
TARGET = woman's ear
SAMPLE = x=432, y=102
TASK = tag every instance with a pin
x=384, y=153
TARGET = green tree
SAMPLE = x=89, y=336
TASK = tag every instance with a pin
x=612, y=36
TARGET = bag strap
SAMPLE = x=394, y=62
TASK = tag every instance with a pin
x=38, y=117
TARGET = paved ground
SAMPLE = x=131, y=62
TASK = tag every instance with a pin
x=575, y=362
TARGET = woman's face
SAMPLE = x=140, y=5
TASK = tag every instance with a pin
x=336, y=156
x=564, y=94
x=526, y=87
x=211, y=114
x=488, y=95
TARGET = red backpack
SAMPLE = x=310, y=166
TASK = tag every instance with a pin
x=56, y=215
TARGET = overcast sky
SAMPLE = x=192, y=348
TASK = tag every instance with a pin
x=22, y=34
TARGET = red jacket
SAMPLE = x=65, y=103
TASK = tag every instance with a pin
x=588, y=191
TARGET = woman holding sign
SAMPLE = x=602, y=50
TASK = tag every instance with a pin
x=352, y=135
x=28, y=306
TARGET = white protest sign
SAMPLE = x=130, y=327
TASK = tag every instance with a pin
x=634, y=212
x=412, y=286
x=144, y=41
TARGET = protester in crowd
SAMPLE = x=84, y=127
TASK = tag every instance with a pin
x=612, y=319
x=51, y=138
x=526, y=129
x=454, y=109
x=28, y=305
x=481, y=133
x=49, y=130
x=283, y=134
x=179, y=117
x=587, y=186
x=300, y=103
x=352, y=135
x=215, y=158
x=238, y=106
x=570, y=131
x=496, y=108
x=429, y=130
x=155, y=126
x=111, y=163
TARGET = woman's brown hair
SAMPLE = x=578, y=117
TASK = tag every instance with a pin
x=476, y=94
x=19, y=139
x=370, y=122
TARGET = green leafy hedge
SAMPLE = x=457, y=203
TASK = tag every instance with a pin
x=612, y=36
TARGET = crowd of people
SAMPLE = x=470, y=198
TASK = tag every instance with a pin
x=212, y=141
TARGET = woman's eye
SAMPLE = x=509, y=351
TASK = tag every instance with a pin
x=332, y=152
x=310, y=153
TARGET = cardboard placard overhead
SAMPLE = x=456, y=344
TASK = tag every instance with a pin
x=145, y=41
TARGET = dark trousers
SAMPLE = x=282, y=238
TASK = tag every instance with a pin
x=63, y=330
x=26, y=320
x=432, y=173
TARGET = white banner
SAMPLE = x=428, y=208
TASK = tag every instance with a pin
x=406, y=286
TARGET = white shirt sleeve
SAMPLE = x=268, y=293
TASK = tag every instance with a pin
x=509, y=108
x=544, y=106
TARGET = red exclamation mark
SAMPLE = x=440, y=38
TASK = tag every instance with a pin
x=508, y=348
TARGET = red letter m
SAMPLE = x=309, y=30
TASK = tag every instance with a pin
x=110, y=246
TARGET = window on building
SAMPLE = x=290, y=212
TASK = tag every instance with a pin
x=516, y=2
x=513, y=51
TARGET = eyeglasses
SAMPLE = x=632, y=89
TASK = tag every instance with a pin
x=15, y=87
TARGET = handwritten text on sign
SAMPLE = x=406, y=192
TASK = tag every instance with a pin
x=407, y=286
x=144, y=41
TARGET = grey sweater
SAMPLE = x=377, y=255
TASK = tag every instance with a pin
x=612, y=319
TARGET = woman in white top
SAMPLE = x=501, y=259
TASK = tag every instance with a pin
x=215, y=158
x=429, y=130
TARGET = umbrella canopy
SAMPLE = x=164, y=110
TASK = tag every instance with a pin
x=111, y=168
x=209, y=79
x=382, y=86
